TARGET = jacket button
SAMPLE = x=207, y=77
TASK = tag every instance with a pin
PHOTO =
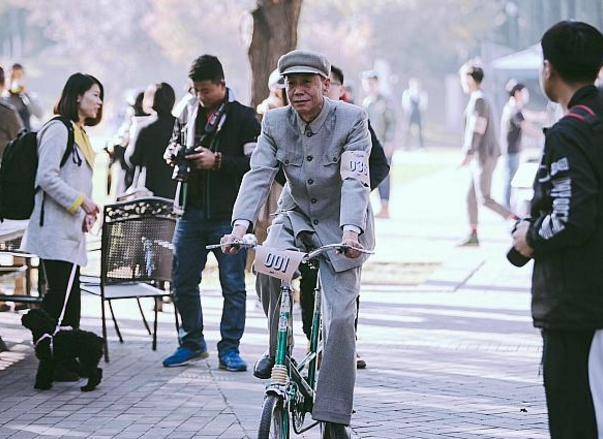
x=313, y=200
x=310, y=181
x=315, y=222
x=287, y=161
x=309, y=158
x=335, y=159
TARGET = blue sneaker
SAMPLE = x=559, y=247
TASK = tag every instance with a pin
x=184, y=356
x=232, y=362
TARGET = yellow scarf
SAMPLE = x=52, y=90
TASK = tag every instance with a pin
x=81, y=139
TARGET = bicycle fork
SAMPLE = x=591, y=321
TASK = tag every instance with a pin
x=280, y=374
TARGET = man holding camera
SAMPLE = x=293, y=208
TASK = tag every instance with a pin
x=565, y=234
x=210, y=149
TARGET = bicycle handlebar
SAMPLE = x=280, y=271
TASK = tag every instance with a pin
x=337, y=247
x=250, y=241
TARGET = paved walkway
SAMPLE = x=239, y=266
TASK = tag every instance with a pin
x=454, y=357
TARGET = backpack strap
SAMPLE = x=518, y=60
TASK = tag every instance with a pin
x=68, y=152
x=70, y=138
x=586, y=115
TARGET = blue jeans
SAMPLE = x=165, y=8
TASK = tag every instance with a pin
x=193, y=233
x=512, y=166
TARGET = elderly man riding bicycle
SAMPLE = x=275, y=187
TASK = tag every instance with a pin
x=323, y=147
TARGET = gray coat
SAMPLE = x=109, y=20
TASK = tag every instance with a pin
x=319, y=200
x=61, y=238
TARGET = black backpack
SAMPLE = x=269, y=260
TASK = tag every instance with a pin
x=18, y=172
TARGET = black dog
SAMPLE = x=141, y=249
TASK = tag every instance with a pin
x=64, y=347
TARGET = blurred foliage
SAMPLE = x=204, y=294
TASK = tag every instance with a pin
x=119, y=39
x=422, y=38
x=129, y=43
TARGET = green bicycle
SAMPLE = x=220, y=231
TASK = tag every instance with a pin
x=290, y=393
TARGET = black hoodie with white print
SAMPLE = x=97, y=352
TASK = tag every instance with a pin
x=566, y=229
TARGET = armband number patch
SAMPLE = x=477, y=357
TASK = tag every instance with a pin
x=354, y=164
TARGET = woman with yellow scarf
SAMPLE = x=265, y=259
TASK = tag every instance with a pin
x=64, y=210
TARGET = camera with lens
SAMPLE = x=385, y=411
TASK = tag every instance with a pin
x=182, y=166
x=516, y=258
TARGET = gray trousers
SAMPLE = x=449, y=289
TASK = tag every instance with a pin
x=479, y=190
x=335, y=388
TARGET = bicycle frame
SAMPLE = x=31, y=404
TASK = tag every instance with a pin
x=297, y=391
x=294, y=393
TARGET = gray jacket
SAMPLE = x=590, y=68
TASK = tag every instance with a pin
x=61, y=237
x=319, y=199
x=382, y=115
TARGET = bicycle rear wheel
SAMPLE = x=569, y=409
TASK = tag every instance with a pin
x=274, y=423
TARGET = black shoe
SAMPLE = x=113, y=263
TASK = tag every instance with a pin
x=330, y=430
x=360, y=363
x=470, y=241
x=263, y=367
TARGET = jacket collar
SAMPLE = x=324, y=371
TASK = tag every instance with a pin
x=584, y=94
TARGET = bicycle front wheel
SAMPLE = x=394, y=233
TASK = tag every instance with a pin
x=274, y=423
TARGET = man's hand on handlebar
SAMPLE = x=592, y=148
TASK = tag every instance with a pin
x=350, y=239
x=234, y=237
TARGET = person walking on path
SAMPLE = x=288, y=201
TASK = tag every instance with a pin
x=480, y=150
x=218, y=135
x=565, y=234
x=382, y=115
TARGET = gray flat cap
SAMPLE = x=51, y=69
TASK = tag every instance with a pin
x=304, y=61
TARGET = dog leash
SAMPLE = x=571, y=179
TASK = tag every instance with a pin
x=51, y=336
x=67, y=294
x=60, y=320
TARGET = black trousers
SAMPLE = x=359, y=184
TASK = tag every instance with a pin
x=307, y=283
x=57, y=278
x=566, y=383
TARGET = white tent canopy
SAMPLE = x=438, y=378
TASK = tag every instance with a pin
x=528, y=59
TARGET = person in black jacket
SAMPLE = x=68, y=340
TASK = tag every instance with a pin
x=378, y=171
x=565, y=234
x=151, y=143
x=219, y=135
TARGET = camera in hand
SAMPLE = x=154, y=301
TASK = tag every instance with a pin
x=183, y=166
x=516, y=258
x=513, y=256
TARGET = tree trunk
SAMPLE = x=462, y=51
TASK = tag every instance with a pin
x=274, y=34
